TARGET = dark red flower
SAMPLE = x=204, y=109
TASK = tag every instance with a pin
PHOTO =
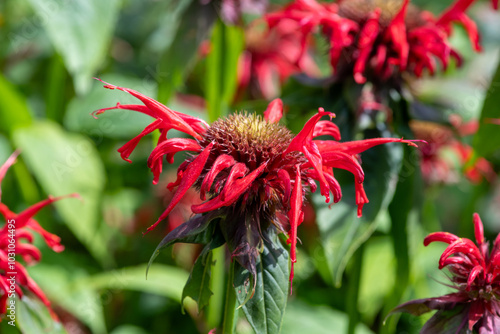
x=475, y=276
x=20, y=227
x=271, y=57
x=249, y=169
x=380, y=39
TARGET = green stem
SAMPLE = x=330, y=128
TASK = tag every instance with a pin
x=55, y=89
x=214, y=310
x=230, y=307
x=353, y=290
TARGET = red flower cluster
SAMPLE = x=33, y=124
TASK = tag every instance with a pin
x=379, y=39
x=475, y=276
x=271, y=56
x=248, y=170
x=13, y=275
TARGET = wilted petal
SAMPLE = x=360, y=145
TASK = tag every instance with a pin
x=295, y=217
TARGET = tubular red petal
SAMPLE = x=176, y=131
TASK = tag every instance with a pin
x=174, y=145
x=495, y=4
x=465, y=246
x=361, y=198
x=440, y=236
x=284, y=179
x=323, y=128
x=238, y=171
x=6, y=165
x=396, y=33
x=222, y=162
x=478, y=229
x=239, y=187
x=473, y=274
x=344, y=161
x=367, y=37
x=129, y=147
x=52, y=240
x=358, y=146
x=23, y=218
x=295, y=216
x=161, y=111
x=189, y=177
x=274, y=111
x=180, y=173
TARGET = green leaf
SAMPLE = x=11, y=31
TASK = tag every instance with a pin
x=33, y=317
x=222, y=65
x=487, y=139
x=341, y=232
x=163, y=280
x=198, y=284
x=14, y=112
x=68, y=288
x=81, y=32
x=66, y=163
x=197, y=230
x=178, y=59
x=303, y=318
x=266, y=308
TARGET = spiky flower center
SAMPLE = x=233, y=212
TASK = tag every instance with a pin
x=358, y=10
x=248, y=138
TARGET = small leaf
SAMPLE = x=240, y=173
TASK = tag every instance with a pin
x=67, y=163
x=81, y=31
x=266, y=308
x=487, y=139
x=198, y=284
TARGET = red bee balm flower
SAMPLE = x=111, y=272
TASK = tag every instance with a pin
x=249, y=169
x=379, y=39
x=475, y=276
x=18, y=227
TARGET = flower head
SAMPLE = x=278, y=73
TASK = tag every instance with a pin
x=250, y=170
x=379, y=39
x=19, y=227
x=271, y=56
x=476, y=277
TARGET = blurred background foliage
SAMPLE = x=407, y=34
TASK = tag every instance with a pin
x=350, y=272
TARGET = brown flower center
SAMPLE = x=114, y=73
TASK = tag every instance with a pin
x=248, y=138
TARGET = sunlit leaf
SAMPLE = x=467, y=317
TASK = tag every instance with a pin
x=66, y=163
x=33, y=317
x=81, y=32
x=487, y=139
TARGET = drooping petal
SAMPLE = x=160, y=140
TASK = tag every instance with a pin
x=159, y=109
x=368, y=35
x=274, y=111
x=295, y=216
x=476, y=312
x=478, y=229
x=284, y=178
x=465, y=246
x=169, y=146
x=456, y=13
x=239, y=187
x=23, y=218
x=473, y=274
x=239, y=170
x=440, y=236
x=189, y=177
x=359, y=146
x=222, y=162
x=323, y=128
x=396, y=33
x=127, y=149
